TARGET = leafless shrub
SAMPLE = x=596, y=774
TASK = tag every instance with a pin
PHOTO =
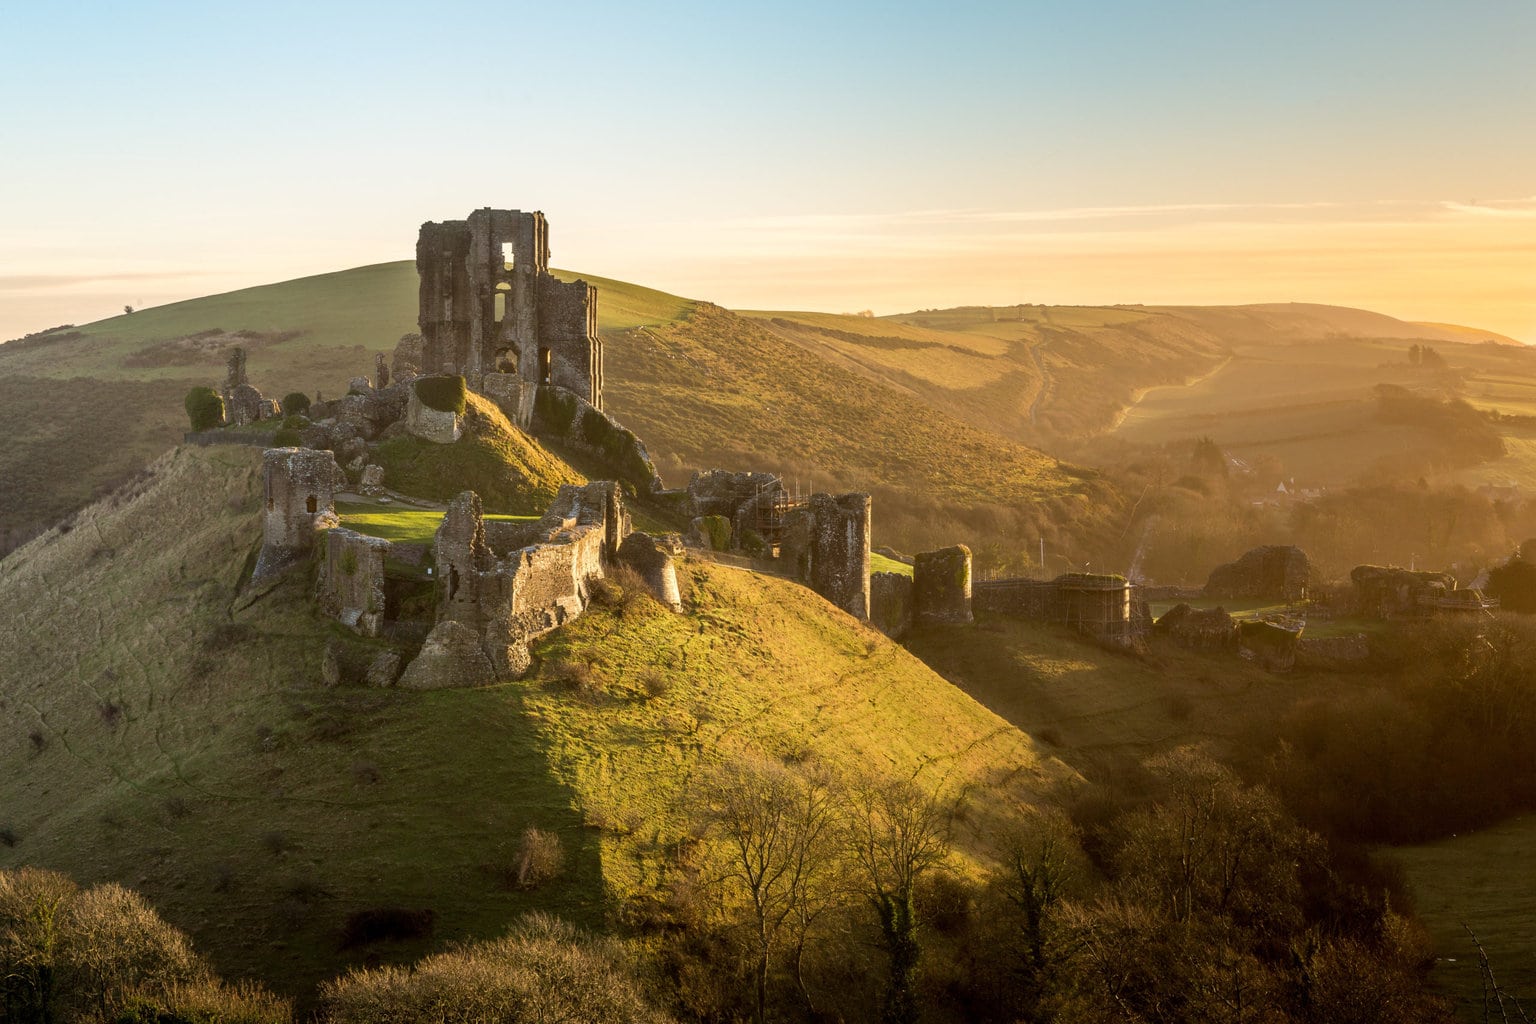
x=540, y=857
x=654, y=682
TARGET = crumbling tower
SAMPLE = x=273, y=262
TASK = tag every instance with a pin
x=299, y=487
x=491, y=311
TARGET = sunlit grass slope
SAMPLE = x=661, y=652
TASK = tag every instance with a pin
x=1311, y=406
x=720, y=389
x=308, y=333
x=158, y=729
x=510, y=471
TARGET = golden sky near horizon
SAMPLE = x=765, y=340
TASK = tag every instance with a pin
x=822, y=155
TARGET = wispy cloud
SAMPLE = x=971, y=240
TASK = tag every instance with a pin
x=35, y=282
x=1518, y=208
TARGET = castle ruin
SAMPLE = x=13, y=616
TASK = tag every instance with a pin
x=299, y=500
x=491, y=312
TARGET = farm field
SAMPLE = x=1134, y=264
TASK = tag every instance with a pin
x=1484, y=881
x=1311, y=407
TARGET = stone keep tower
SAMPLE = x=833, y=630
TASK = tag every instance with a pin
x=491, y=311
x=299, y=487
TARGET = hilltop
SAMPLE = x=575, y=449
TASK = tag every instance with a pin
x=169, y=731
x=941, y=413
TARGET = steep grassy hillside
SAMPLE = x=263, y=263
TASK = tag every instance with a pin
x=700, y=385
x=158, y=729
x=1032, y=373
x=510, y=471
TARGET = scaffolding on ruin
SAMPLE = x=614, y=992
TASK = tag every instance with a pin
x=772, y=506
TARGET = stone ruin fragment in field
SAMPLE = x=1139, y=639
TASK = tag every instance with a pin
x=298, y=501
x=491, y=312
x=242, y=402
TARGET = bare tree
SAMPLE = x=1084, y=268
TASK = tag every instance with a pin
x=776, y=826
x=897, y=832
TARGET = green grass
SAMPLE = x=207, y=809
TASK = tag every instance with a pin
x=1482, y=880
x=880, y=563
x=511, y=472
x=412, y=526
x=187, y=748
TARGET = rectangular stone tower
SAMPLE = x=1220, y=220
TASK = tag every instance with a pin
x=491, y=311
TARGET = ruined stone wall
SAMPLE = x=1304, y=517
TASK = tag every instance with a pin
x=718, y=492
x=826, y=544
x=446, y=303
x=568, y=329
x=890, y=603
x=488, y=305
x=941, y=585
x=299, y=486
x=351, y=585
x=1272, y=572
x=1024, y=599
x=491, y=605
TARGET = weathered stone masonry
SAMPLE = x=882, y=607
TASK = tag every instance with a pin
x=299, y=486
x=491, y=311
x=493, y=603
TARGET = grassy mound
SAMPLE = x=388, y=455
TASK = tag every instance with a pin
x=510, y=471
x=172, y=735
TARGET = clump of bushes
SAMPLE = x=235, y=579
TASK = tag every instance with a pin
x=295, y=403
x=543, y=969
x=556, y=410
x=717, y=530
x=205, y=409
x=443, y=393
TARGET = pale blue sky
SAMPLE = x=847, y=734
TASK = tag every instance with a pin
x=892, y=156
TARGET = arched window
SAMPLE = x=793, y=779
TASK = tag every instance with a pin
x=312, y=504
